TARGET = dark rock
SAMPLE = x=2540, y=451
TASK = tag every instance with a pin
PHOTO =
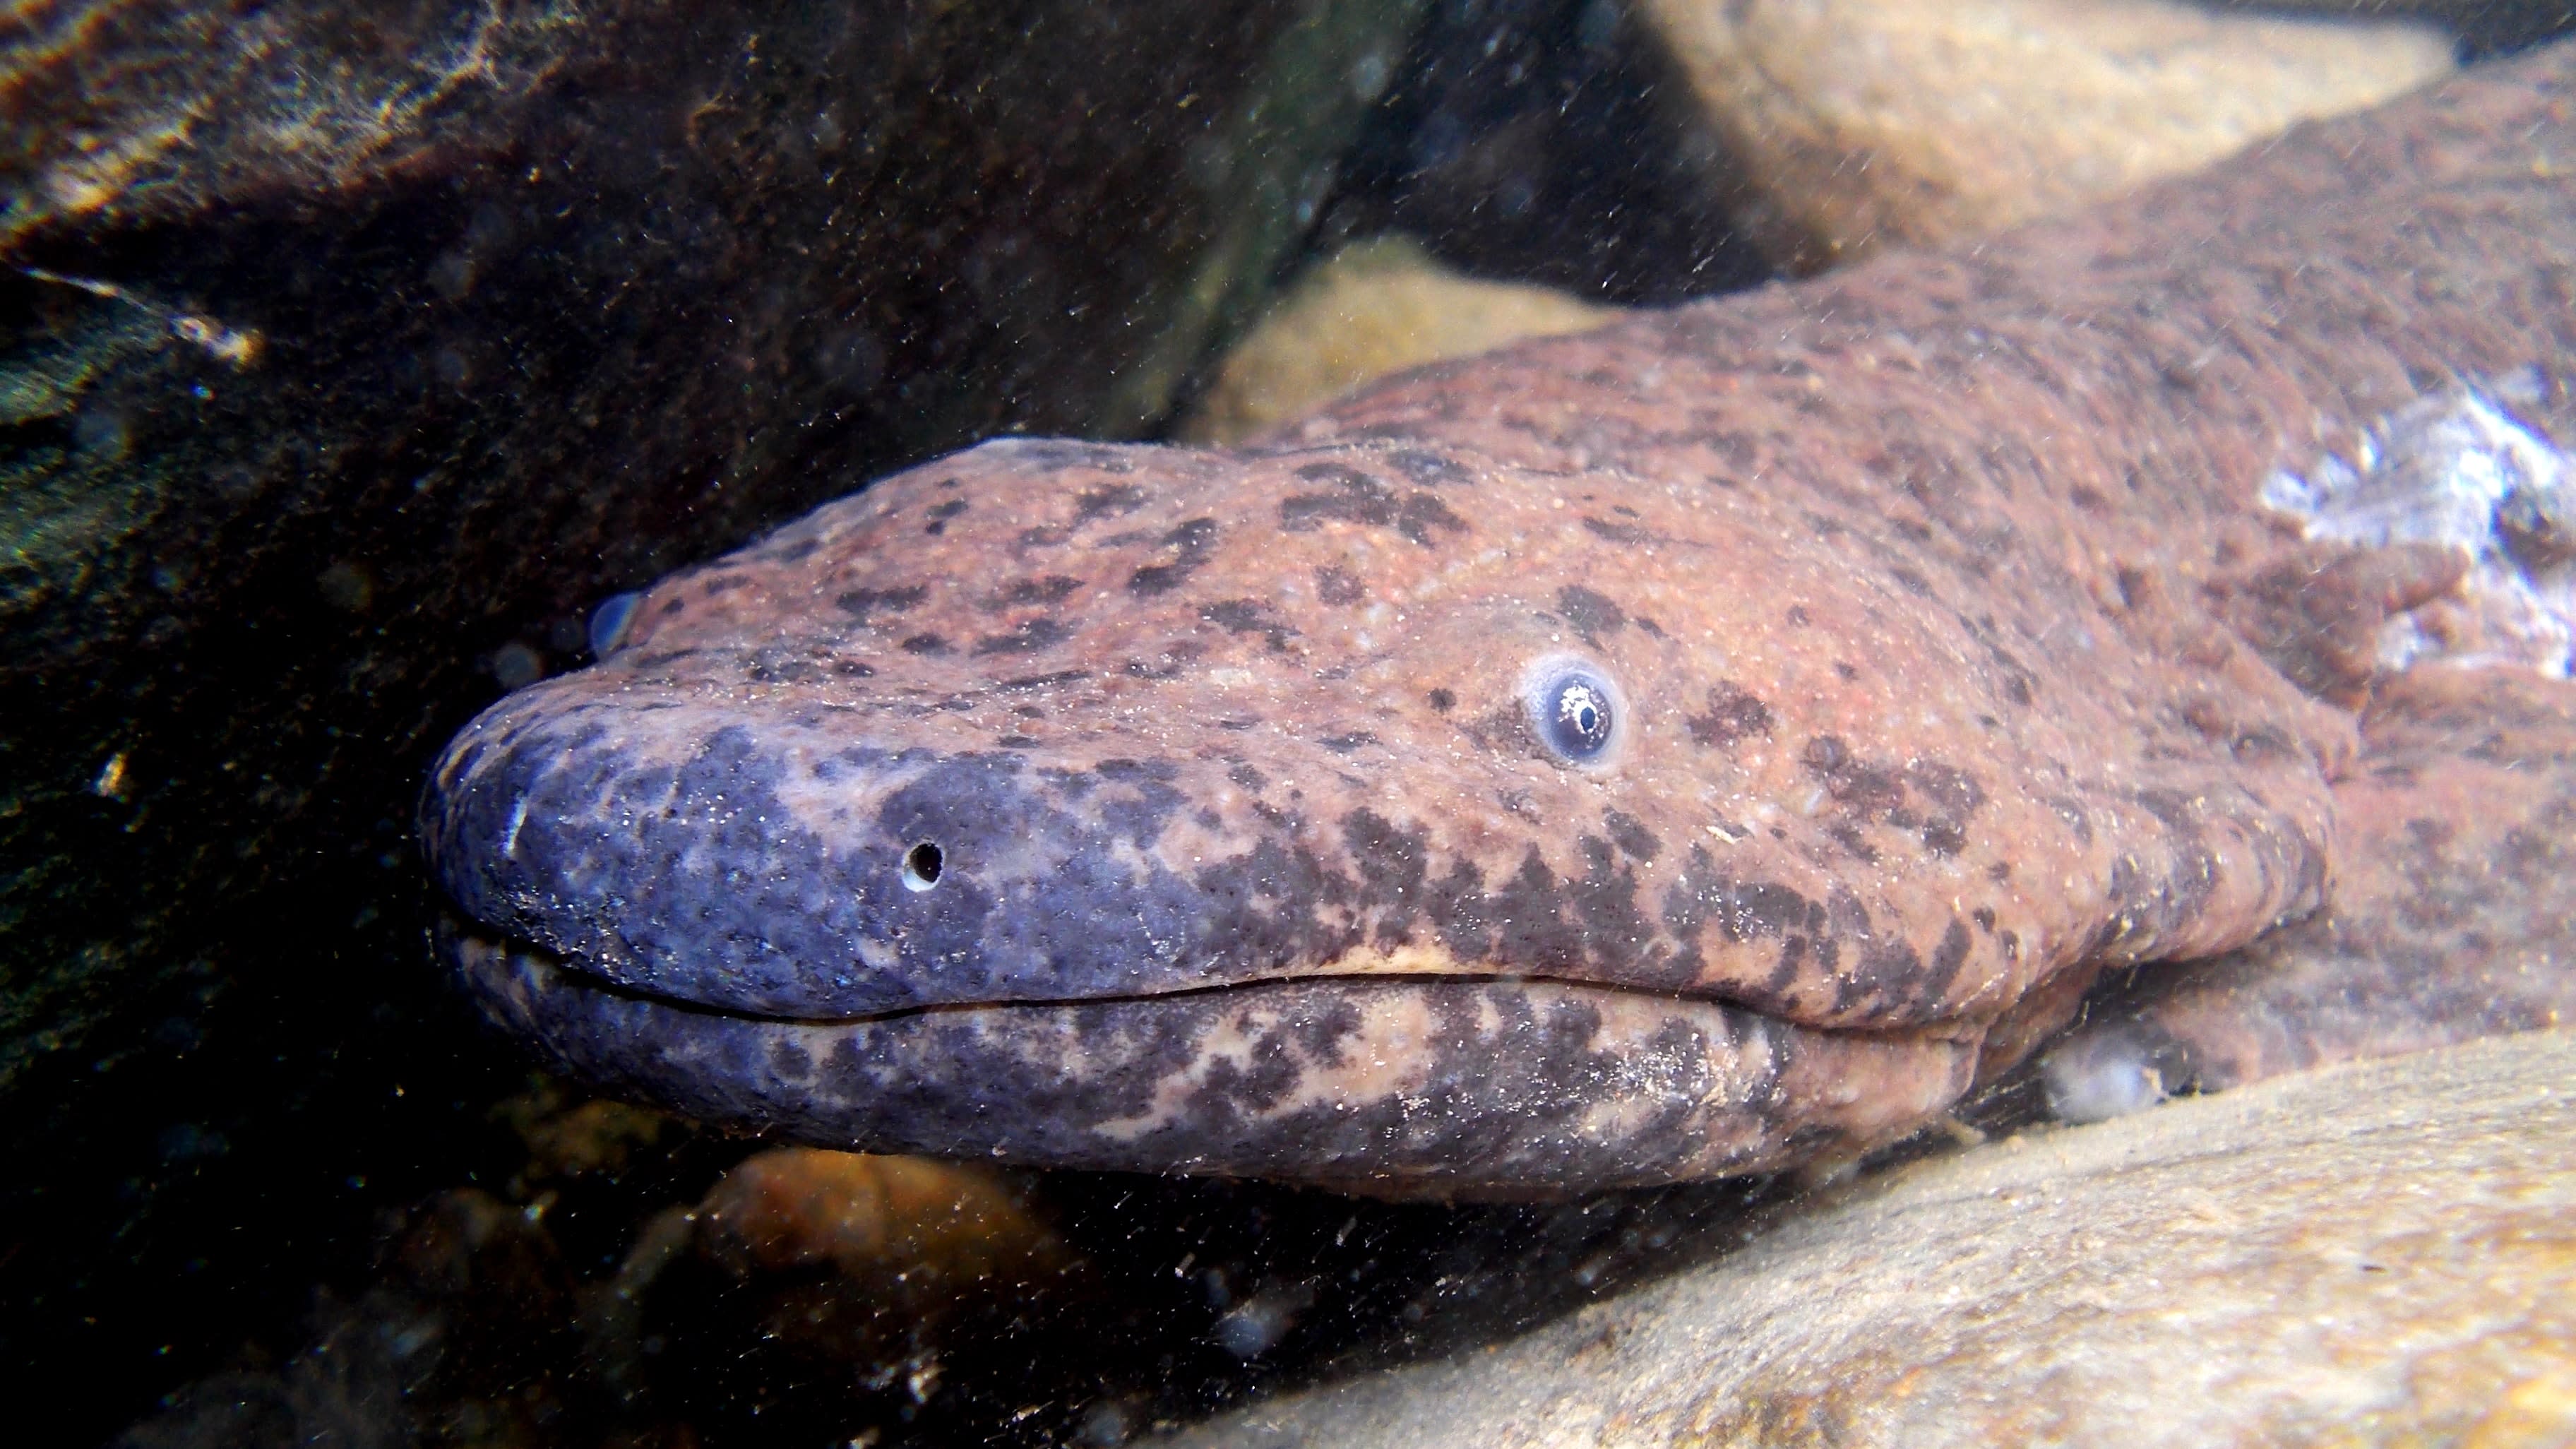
x=1534, y=140
x=465, y=1338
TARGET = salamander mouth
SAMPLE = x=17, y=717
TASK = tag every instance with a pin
x=1431, y=1085
x=1375, y=969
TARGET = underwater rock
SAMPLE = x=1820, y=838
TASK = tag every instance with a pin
x=1536, y=141
x=2386, y=1247
x=1374, y=307
x=1862, y=124
x=466, y=1336
x=851, y=1256
x=889, y=1224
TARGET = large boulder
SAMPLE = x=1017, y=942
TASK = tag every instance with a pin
x=2385, y=1250
x=1861, y=124
x=1372, y=308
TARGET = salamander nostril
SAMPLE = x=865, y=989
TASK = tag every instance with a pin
x=922, y=865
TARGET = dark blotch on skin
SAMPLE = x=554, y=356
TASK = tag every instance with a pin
x=1947, y=958
x=1443, y=701
x=1877, y=794
x=1592, y=615
x=1953, y=796
x=859, y=604
x=1870, y=790
x=1951, y=790
x=1423, y=513
x=1337, y=473
x=1703, y=895
x=1028, y=638
x=773, y=666
x=940, y=515
x=1190, y=544
x=1733, y=714
x=1115, y=501
x=1053, y=589
x=1245, y=616
x=1428, y=468
x=1617, y=532
x=1848, y=836
x=1031, y=683
x=1365, y=500
x=925, y=644
x=1631, y=835
x=1174, y=660
x=1338, y=586
x=1518, y=921
x=1741, y=910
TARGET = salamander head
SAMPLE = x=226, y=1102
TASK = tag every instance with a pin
x=1363, y=814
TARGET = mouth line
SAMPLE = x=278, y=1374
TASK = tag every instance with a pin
x=1500, y=1085
x=575, y=976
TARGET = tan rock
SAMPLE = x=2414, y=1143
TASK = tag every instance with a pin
x=1376, y=307
x=2383, y=1252
x=567, y=1136
x=876, y=1219
x=1865, y=123
x=851, y=1258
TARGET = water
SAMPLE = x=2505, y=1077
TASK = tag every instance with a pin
x=367, y=402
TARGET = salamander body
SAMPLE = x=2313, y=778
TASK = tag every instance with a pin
x=1674, y=750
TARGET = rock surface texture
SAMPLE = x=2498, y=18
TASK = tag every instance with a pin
x=2384, y=1252
x=1373, y=308
x=1684, y=748
x=1863, y=124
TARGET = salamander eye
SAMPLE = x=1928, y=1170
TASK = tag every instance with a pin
x=609, y=621
x=1575, y=710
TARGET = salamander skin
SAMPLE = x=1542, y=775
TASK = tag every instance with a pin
x=1674, y=750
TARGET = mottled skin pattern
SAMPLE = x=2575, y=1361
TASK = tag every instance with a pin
x=2454, y=910
x=1924, y=584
